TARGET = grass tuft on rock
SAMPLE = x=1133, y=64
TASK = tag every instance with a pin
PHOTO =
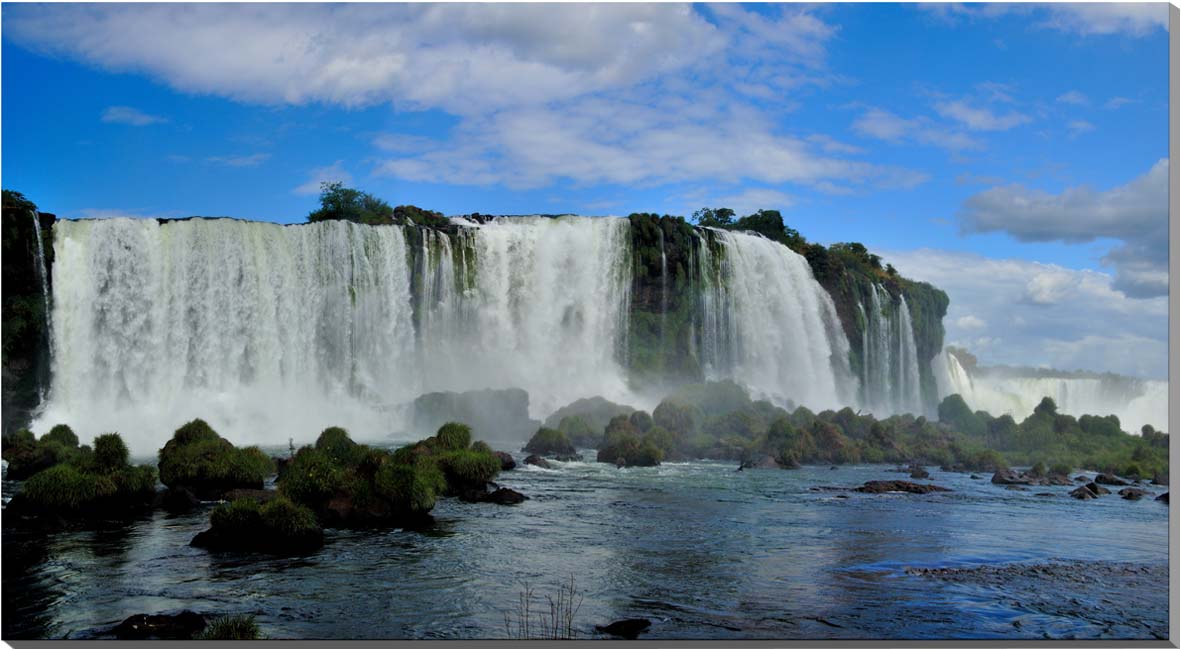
x=197, y=458
x=231, y=627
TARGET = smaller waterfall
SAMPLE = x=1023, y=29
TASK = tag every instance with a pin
x=890, y=376
x=663, y=293
x=47, y=315
x=910, y=397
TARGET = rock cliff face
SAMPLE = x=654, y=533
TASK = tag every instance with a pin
x=28, y=251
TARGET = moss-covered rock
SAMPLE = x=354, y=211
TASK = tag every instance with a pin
x=623, y=445
x=579, y=432
x=277, y=526
x=552, y=443
x=102, y=487
x=200, y=460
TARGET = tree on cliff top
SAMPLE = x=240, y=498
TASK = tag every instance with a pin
x=340, y=203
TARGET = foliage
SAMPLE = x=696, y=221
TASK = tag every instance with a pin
x=231, y=627
x=454, y=436
x=547, y=441
x=110, y=453
x=62, y=434
x=578, y=431
x=338, y=202
x=336, y=444
x=556, y=623
x=468, y=468
x=106, y=484
x=198, y=458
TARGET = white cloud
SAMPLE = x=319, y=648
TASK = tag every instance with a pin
x=1135, y=213
x=251, y=160
x=1115, y=102
x=755, y=199
x=970, y=322
x=619, y=140
x=979, y=119
x=460, y=57
x=332, y=173
x=1042, y=314
x=1073, y=97
x=1079, y=126
x=130, y=116
x=884, y=125
x=1083, y=19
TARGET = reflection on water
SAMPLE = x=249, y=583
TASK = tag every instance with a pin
x=700, y=549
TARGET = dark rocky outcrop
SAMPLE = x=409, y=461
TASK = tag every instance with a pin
x=551, y=442
x=629, y=629
x=1083, y=493
x=507, y=463
x=497, y=414
x=762, y=462
x=278, y=526
x=1110, y=479
x=1132, y=493
x=184, y=625
x=1164, y=498
x=538, y=461
x=1096, y=489
x=493, y=493
x=887, y=486
x=919, y=473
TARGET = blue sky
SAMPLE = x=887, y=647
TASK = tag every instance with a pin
x=945, y=136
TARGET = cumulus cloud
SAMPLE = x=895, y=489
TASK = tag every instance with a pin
x=884, y=125
x=1073, y=97
x=334, y=172
x=1116, y=102
x=1135, y=214
x=1017, y=312
x=130, y=116
x=591, y=93
x=461, y=57
x=978, y=118
x=1080, y=126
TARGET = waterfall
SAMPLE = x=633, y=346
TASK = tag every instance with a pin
x=890, y=377
x=767, y=323
x=663, y=292
x=43, y=277
x=270, y=332
x=1017, y=391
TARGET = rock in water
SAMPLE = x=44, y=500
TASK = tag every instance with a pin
x=1096, y=489
x=538, y=461
x=1009, y=476
x=629, y=629
x=1132, y=493
x=1083, y=493
x=765, y=462
x=181, y=626
x=1164, y=498
x=505, y=496
x=507, y=463
x=1110, y=479
x=918, y=473
x=886, y=486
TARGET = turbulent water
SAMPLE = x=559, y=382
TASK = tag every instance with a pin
x=1015, y=392
x=699, y=549
x=889, y=364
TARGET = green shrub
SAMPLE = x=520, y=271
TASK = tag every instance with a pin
x=1038, y=470
x=454, y=436
x=641, y=420
x=62, y=434
x=1060, y=469
x=547, y=441
x=231, y=627
x=661, y=438
x=468, y=468
x=61, y=487
x=335, y=442
x=280, y=515
x=411, y=488
x=1132, y=471
x=312, y=477
x=681, y=418
x=198, y=458
x=110, y=453
x=241, y=516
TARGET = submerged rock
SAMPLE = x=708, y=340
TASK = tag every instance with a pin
x=538, y=461
x=629, y=629
x=180, y=626
x=764, y=462
x=886, y=486
x=1009, y=476
x=919, y=473
x=1083, y=493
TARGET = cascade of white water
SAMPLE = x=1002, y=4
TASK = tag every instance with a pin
x=910, y=397
x=43, y=277
x=769, y=324
x=663, y=291
x=1017, y=392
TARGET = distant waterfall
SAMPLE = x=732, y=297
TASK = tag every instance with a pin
x=1017, y=391
x=767, y=323
x=889, y=365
